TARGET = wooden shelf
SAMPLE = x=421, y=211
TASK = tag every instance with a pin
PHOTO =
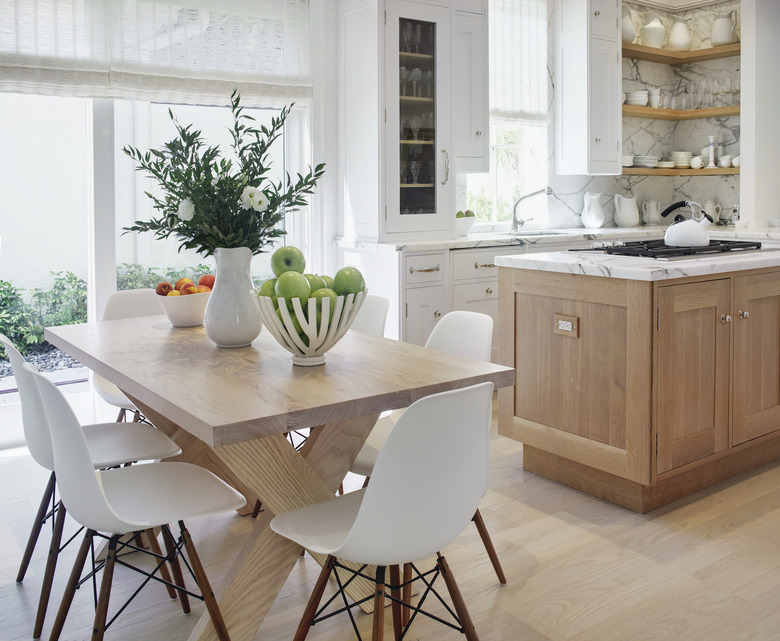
x=655, y=113
x=413, y=99
x=416, y=185
x=408, y=55
x=651, y=54
x=643, y=171
x=417, y=142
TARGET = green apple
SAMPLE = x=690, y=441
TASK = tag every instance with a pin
x=348, y=280
x=291, y=285
x=296, y=324
x=267, y=288
x=321, y=294
x=328, y=281
x=315, y=282
x=460, y=214
x=469, y=214
x=286, y=259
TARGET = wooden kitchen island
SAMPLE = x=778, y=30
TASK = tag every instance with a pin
x=641, y=381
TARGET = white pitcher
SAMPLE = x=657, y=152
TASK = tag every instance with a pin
x=680, y=38
x=652, y=32
x=651, y=212
x=626, y=211
x=712, y=209
x=724, y=28
x=593, y=215
x=627, y=25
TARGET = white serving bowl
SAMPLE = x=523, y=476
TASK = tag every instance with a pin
x=463, y=225
x=320, y=339
x=185, y=311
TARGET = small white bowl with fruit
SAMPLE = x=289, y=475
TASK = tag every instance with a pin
x=307, y=313
x=464, y=221
x=185, y=302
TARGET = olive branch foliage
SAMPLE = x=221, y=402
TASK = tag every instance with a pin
x=186, y=167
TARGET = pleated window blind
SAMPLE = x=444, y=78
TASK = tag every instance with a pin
x=185, y=51
x=518, y=60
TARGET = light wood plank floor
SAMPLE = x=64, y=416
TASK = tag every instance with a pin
x=706, y=568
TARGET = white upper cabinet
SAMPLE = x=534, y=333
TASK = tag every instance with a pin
x=587, y=87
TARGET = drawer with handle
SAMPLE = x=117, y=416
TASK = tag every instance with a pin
x=478, y=263
x=424, y=268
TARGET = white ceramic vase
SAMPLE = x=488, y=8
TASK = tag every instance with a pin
x=232, y=317
x=626, y=211
x=593, y=215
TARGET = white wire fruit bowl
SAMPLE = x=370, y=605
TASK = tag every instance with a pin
x=321, y=336
x=185, y=311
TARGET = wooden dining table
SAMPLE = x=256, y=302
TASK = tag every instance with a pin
x=230, y=409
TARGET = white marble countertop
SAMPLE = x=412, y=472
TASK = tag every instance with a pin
x=639, y=268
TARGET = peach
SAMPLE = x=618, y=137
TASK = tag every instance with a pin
x=207, y=280
x=188, y=288
x=181, y=282
x=203, y=289
x=163, y=288
x=173, y=292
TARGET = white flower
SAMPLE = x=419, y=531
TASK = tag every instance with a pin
x=186, y=210
x=253, y=198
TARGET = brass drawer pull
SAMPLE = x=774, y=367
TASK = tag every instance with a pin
x=744, y=314
x=435, y=268
x=478, y=265
x=725, y=318
x=437, y=314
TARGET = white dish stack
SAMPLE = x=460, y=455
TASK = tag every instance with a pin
x=682, y=159
x=648, y=162
x=637, y=98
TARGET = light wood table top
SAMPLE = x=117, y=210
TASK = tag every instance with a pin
x=229, y=409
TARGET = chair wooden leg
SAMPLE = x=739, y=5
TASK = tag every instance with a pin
x=378, y=629
x=178, y=577
x=121, y=416
x=43, y=508
x=101, y=612
x=257, y=508
x=154, y=545
x=406, y=594
x=205, y=587
x=488, y=543
x=136, y=416
x=51, y=566
x=314, y=599
x=395, y=591
x=70, y=587
x=457, y=599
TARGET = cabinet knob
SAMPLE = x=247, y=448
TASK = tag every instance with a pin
x=598, y=138
x=437, y=314
x=478, y=132
x=743, y=314
x=489, y=290
x=725, y=318
x=597, y=13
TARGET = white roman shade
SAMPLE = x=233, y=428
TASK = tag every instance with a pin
x=188, y=51
x=518, y=60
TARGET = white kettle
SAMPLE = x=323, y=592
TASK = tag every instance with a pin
x=593, y=215
x=724, y=28
x=626, y=211
x=688, y=233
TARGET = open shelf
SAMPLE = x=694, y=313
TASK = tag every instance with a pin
x=643, y=171
x=651, y=54
x=656, y=113
x=416, y=185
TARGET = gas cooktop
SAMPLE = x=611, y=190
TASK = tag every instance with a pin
x=657, y=248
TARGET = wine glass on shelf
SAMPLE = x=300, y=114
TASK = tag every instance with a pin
x=428, y=79
x=404, y=171
x=403, y=124
x=726, y=90
x=416, y=77
x=403, y=74
x=715, y=91
x=431, y=171
x=417, y=37
x=416, y=123
x=414, y=168
x=406, y=36
x=736, y=89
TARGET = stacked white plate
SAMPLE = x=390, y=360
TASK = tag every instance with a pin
x=645, y=161
x=637, y=98
x=666, y=164
x=628, y=161
x=682, y=159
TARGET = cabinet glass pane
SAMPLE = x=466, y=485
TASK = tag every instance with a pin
x=417, y=109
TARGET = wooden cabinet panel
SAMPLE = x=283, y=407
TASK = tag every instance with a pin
x=756, y=383
x=692, y=374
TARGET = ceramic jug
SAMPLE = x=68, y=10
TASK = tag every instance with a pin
x=712, y=209
x=724, y=28
x=651, y=212
x=593, y=215
x=652, y=32
x=626, y=211
x=680, y=37
x=627, y=25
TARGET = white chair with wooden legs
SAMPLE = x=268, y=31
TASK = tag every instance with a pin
x=372, y=316
x=463, y=333
x=110, y=444
x=426, y=485
x=130, y=303
x=129, y=500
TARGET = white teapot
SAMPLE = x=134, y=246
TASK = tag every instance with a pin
x=593, y=215
x=724, y=28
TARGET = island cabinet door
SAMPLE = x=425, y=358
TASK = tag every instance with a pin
x=692, y=372
x=756, y=382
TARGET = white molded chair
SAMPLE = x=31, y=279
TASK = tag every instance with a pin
x=130, y=303
x=129, y=500
x=463, y=333
x=426, y=484
x=109, y=444
x=372, y=316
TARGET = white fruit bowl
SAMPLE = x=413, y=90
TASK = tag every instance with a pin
x=463, y=225
x=185, y=311
x=320, y=339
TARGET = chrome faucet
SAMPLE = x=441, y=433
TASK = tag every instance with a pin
x=517, y=223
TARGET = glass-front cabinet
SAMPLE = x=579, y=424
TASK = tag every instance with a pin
x=417, y=119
